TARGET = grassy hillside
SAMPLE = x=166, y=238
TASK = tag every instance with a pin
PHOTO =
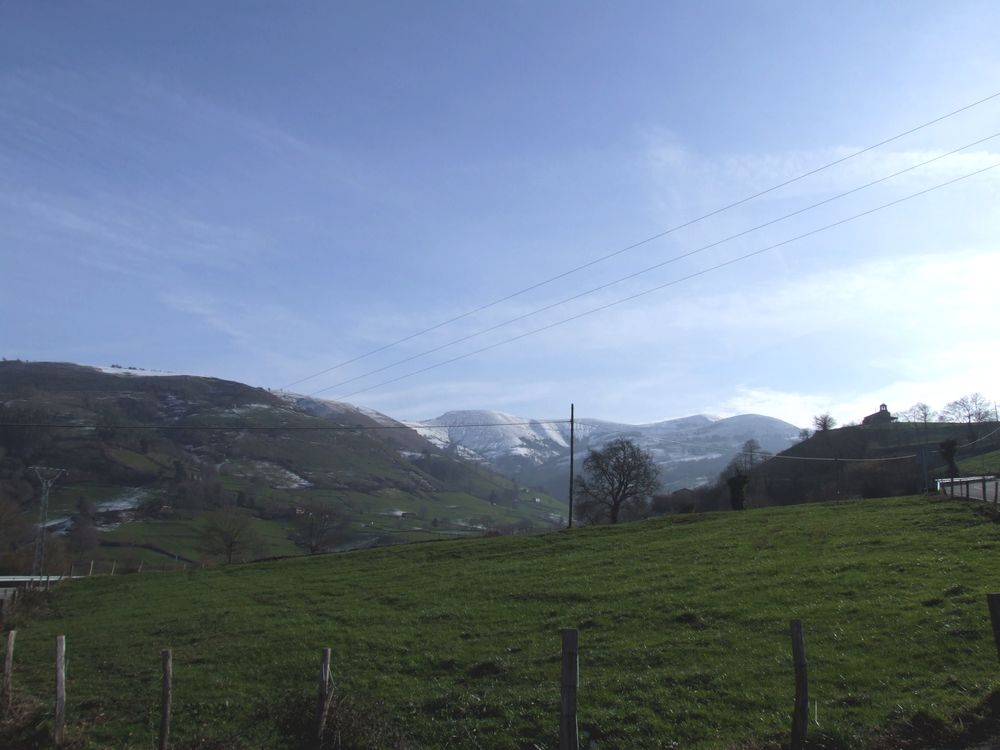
x=985, y=463
x=867, y=467
x=190, y=445
x=683, y=630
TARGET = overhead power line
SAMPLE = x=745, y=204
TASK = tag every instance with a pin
x=980, y=439
x=849, y=460
x=647, y=240
x=654, y=267
x=268, y=428
x=671, y=283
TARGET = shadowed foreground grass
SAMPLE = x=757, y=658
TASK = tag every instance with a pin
x=683, y=633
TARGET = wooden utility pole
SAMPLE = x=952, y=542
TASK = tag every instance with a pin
x=572, y=468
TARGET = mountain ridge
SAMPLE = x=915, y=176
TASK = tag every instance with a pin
x=689, y=450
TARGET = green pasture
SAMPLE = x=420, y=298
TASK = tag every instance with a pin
x=683, y=626
x=984, y=463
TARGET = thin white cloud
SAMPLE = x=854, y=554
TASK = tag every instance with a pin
x=797, y=408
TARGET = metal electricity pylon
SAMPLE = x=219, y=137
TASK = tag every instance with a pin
x=47, y=476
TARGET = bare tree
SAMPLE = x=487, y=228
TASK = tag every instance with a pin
x=229, y=534
x=948, y=449
x=82, y=536
x=749, y=456
x=318, y=526
x=971, y=408
x=919, y=412
x=737, y=484
x=804, y=434
x=824, y=422
x=619, y=475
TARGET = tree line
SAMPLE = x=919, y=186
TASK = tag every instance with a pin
x=620, y=482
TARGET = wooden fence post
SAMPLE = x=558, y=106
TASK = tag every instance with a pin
x=6, y=690
x=91, y=569
x=568, y=733
x=140, y=567
x=167, y=697
x=59, y=729
x=993, y=602
x=325, y=695
x=114, y=564
x=800, y=710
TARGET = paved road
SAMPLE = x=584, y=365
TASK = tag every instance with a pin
x=976, y=490
x=972, y=488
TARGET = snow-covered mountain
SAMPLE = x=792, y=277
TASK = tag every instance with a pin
x=493, y=435
x=690, y=450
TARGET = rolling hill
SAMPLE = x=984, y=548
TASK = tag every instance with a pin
x=683, y=625
x=145, y=453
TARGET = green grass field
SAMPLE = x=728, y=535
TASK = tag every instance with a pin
x=183, y=537
x=985, y=463
x=683, y=633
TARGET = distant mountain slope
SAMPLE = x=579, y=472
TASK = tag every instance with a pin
x=493, y=435
x=690, y=451
x=188, y=445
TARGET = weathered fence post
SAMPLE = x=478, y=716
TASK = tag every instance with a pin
x=568, y=735
x=167, y=698
x=325, y=695
x=6, y=690
x=140, y=567
x=59, y=728
x=91, y=569
x=114, y=564
x=993, y=602
x=800, y=710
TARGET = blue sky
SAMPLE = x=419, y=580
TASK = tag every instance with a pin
x=261, y=191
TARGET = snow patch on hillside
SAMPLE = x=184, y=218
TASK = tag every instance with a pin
x=493, y=434
x=687, y=449
x=133, y=371
x=332, y=408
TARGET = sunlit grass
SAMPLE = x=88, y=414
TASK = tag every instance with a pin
x=683, y=631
